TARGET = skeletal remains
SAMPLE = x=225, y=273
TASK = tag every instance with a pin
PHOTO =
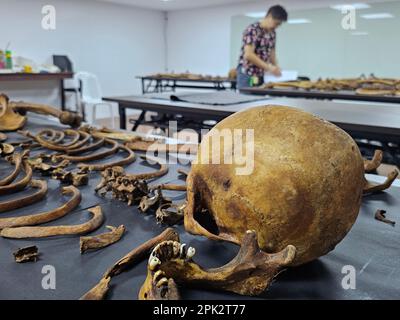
x=44, y=217
x=134, y=189
x=364, y=85
x=27, y=254
x=249, y=273
x=299, y=200
x=305, y=188
x=102, y=240
x=12, y=120
x=99, y=291
x=50, y=231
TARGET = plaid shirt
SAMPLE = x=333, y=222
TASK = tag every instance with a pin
x=263, y=41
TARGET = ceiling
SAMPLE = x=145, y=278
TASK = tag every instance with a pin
x=171, y=5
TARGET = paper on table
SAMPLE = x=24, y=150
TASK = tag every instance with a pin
x=287, y=75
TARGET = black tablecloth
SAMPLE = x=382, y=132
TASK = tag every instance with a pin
x=371, y=247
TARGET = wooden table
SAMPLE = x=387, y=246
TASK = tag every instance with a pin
x=60, y=76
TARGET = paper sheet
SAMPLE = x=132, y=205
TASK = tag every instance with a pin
x=287, y=75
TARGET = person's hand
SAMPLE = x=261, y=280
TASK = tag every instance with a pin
x=275, y=70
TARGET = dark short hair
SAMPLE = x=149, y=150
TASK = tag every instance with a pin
x=278, y=12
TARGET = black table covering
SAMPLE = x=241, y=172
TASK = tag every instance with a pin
x=371, y=247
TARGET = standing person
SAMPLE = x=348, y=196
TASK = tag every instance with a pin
x=258, y=49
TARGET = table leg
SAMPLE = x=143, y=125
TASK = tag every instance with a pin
x=139, y=120
x=62, y=95
x=122, y=117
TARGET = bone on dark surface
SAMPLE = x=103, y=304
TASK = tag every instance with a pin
x=17, y=160
x=372, y=187
x=131, y=259
x=76, y=178
x=55, y=136
x=153, y=200
x=170, y=213
x=94, y=156
x=374, y=163
x=100, y=167
x=380, y=215
x=65, y=117
x=91, y=147
x=249, y=273
x=42, y=232
x=6, y=149
x=171, y=187
x=20, y=184
x=27, y=254
x=27, y=200
x=46, y=169
x=163, y=170
x=84, y=138
x=9, y=119
x=44, y=217
x=102, y=240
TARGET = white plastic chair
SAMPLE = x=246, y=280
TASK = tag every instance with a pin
x=92, y=95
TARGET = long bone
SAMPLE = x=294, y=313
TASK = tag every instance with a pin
x=99, y=291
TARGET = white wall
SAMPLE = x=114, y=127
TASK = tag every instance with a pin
x=199, y=40
x=115, y=42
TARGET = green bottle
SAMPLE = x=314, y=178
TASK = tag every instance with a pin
x=9, y=62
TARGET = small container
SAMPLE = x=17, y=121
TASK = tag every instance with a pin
x=2, y=60
x=9, y=62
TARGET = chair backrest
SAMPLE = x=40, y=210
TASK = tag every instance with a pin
x=91, y=90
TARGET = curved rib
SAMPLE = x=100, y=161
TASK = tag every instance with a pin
x=94, y=146
x=35, y=219
x=56, y=147
x=21, y=184
x=91, y=157
x=150, y=175
x=18, y=165
x=74, y=144
x=55, y=136
x=100, y=167
x=27, y=200
x=42, y=232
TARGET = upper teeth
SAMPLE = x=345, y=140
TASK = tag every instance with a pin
x=190, y=252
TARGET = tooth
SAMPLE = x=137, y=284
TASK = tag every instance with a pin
x=157, y=275
x=182, y=251
x=162, y=282
x=190, y=252
x=153, y=263
x=176, y=249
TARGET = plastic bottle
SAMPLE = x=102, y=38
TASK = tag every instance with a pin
x=2, y=60
x=9, y=62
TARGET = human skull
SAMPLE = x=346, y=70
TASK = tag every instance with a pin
x=305, y=188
